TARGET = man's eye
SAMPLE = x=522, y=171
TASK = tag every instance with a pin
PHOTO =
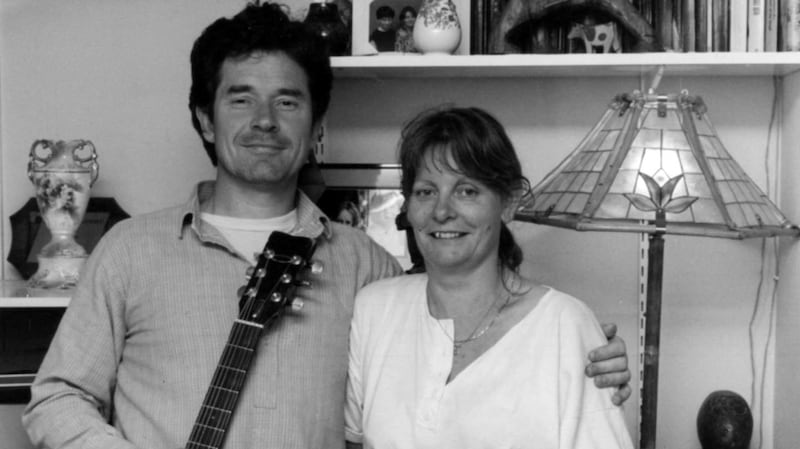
x=287, y=104
x=240, y=101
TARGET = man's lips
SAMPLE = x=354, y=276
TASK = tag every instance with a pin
x=446, y=235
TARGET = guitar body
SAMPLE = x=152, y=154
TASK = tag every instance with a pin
x=268, y=292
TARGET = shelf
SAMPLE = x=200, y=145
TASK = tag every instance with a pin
x=565, y=65
x=14, y=294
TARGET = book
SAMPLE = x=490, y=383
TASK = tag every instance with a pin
x=738, y=26
x=755, y=25
x=720, y=25
x=790, y=25
x=770, y=25
x=663, y=24
x=687, y=25
x=701, y=26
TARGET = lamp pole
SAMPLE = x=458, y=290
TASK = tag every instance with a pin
x=652, y=330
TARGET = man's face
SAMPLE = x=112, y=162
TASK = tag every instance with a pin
x=385, y=23
x=263, y=128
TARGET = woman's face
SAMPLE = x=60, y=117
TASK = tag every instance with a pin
x=345, y=217
x=456, y=219
x=408, y=19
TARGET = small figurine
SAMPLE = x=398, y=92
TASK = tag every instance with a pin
x=603, y=35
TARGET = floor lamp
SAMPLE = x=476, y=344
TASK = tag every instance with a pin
x=654, y=164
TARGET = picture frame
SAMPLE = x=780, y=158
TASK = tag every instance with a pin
x=368, y=197
x=25, y=336
x=364, y=21
x=30, y=234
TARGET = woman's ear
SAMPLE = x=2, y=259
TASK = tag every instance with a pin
x=512, y=204
x=205, y=124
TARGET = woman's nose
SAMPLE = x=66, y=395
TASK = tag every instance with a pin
x=444, y=208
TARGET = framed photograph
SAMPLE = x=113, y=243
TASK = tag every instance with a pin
x=29, y=233
x=365, y=21
x=368, y=197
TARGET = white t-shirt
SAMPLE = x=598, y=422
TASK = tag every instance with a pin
x=249, y=235
x=527, y=391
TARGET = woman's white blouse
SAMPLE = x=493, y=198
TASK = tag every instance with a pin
x=527, y=391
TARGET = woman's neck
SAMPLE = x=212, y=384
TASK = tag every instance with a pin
x=455, y=295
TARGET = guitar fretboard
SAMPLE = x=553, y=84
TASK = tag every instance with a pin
x=229, y=377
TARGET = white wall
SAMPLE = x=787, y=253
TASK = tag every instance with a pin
x=116, y=72
x=787, y=420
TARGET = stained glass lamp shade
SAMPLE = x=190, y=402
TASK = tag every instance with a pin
x=654, y=164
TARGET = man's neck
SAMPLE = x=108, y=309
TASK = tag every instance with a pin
x=250, y=201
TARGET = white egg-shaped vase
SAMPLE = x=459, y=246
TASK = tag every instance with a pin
x=437, y=29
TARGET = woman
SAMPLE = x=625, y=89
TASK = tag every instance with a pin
x=472, y=353
x=405, y=32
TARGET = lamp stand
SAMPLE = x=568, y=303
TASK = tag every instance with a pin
x=652, y=329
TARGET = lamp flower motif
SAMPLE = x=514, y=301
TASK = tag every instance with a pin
x=660, y=200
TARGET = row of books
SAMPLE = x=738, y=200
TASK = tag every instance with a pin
x=724, y=25
x=641, y=25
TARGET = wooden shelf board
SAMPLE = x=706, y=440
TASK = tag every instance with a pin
x=569, y=65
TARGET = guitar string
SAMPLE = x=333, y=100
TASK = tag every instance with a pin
x=229, y=356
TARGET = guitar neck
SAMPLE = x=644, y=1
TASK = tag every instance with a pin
x=215, y=414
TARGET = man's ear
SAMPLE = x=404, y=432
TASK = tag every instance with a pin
x=205, y=124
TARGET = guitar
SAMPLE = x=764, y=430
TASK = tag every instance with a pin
x=268, y=291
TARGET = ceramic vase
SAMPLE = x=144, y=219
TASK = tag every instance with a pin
x=323, y=18
x=63, y=174
x=724, y=421
x=437, y=29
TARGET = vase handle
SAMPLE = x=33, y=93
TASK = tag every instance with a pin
x=90, y=161
x=35, y=160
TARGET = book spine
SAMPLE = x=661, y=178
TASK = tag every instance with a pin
x=738, y=26
x=770, y=25
x=688, y=31
x=790, y=25
x=702, y=43
x=721, y=28
x=663, y=24
x=755, y=25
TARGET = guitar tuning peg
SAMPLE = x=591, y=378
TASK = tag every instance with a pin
x=240, y=290
x=297, y=304
x=316, y=267
x=248, y=273
x=302, y=283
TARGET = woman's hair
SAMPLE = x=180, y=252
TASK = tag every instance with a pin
x=257, y=28
x=351, y=208
x=480, y=149
x=406, y=9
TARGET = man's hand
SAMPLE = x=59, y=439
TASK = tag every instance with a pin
x=609, y=365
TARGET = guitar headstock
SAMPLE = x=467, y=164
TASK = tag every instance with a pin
x=275, y=277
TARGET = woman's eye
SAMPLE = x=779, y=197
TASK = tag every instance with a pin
x=423, y=193
x=467, y=192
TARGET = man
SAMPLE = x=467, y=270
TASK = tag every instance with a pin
x=136, y=349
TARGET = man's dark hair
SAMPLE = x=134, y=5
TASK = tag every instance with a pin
x=257, y=28
x=385, y=12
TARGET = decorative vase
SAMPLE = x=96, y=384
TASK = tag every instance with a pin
x=724, y=421
x=323, y=18
x=437, y=29
x=63, y=173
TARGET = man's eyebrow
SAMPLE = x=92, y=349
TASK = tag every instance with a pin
x=239, y=89
x=246, y=88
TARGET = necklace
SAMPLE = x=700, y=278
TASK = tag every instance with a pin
x=475, y=334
